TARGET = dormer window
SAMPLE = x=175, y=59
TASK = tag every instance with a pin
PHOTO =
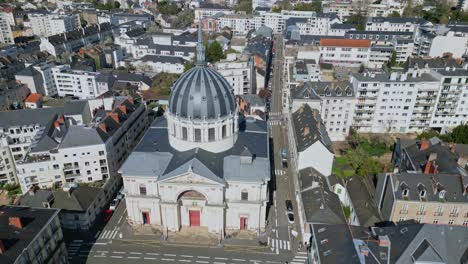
x=405, y=194
x=442, y=195
x=422, y=194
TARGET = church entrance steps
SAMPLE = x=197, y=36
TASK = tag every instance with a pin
x=195, y=235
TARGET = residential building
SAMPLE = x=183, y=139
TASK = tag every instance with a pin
x=335, y=102
x=309, y=135
x=403, y=243
x=34, y=100
x=345, y=52
x=80, y=206
x=240, y=74
x=12, y=95
x=70, y=152
x=395, y=24
x=81, y=84
x=39, y=78
x=6, y=35
x=437, y=41
x=201, y=164
x=306, y=71
x=37, y=235
x=154, y=64
x=425, y=198
x=252, y=105
x=315, y=24
x=9, y=67
x=45, y=25
x=359, y=199
x=338, y=29
x=207, y=10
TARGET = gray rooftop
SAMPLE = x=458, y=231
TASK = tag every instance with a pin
x=308, y=128
x=362, y=201
x=314, y=90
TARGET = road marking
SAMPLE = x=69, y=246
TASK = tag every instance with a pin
x=301, y=257
x=102, y=251
x=135, y=253
x=170, y=255
x=221, y=258
x=148, y=258
x=104, y=234
x=154, y=254
x=166, y=259
x=186, y=256
x=118, y=252
x=115, y=256
x=98, y=243
x=100, y=256
x=133, y=257
x=199, y=261
x=289, y=245
x=238, y=259
x=97, y=234
x=219, y=262
x=203, y=257
x=184, y=260
x=277, y=247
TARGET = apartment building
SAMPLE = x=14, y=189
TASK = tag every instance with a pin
x=315, y=24
x=81, y=84
x=395, y=24
x=6, y=35
x=45, y=25
x=335, y=102
x=425, y=198
x=154, y=64
x=399, y=102
x=39, y=78
x=240, y=74
x=66, y=152
x=36, y=233
x=208, y=9
x=439, y=40
x=345, y=52
x=238, y=23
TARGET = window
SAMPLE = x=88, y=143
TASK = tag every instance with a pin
x=101, y=153
x=224, y=131
x=184, y=133
x=211, y=134
x=450, y=222
x=244, y=195
x=197, y=135
x=435, y=221
x=142, y=189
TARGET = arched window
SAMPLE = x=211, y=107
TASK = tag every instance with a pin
x=142, y=189
x=244, y=195
x=184, y=133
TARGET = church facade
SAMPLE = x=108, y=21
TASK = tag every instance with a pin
x=201, y=164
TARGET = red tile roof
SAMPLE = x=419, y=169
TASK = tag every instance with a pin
x=357, y=43
x=33, y=98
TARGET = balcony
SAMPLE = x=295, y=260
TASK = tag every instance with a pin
x=438, y=213
x=68, y=167
x=403, y=211
x=425, y=103
x=453, y=215
x=421, y=213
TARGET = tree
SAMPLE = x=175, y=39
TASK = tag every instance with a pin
x=304, y=7
x=116, y=5
x=459, y=134
x=189, y=65
x=281, y=5
x=214, y=52
x=394, y=14
x=168, y=8
x=358, y=19
x=184, y=19
x=392, y=62
x=244, y=6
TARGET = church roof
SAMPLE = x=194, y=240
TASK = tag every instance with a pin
x=165, y=162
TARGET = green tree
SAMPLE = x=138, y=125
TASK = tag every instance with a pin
x=394, y=14
x=392, y=62
x=244, y=6
x=369, y=167
x=459, y=134
x=358, y=19
x=168, y=8
x=189, y=65
x=184, y=19
x=304, y=7
x=116, y=5
x=214, y=52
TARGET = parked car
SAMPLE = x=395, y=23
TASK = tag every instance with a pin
x=120, y=195
x=289, y=206
x=290, y=217
x=107, y=215
x=113, y=205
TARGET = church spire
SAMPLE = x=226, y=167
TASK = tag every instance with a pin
x=200, y=47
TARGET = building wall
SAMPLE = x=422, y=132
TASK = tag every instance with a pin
x=6, y=35
x=345, y=56
x=444, y=44
x=316, y=156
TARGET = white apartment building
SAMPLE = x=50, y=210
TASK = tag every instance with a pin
x=209, y=10
x=68, y=152
x=345, y=52
x=239, y=24
x=335, y=102
x=316, y=24
x=7, y=164
x=239, y=74
x=154, y=64
x=81, y=84
x=39, y=78
x=45, y=25
x=6, y=35
x=409, y=102
x=395, y=24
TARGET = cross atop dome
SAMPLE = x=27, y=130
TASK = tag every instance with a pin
x=200, y=47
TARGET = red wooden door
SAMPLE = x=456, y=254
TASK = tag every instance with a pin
x=194, y=217
x=243, y=223
x=146, y=218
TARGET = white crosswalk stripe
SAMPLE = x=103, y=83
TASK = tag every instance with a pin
x=279, y=172
x=108, y=234
x=278, y=244
x=300, y=258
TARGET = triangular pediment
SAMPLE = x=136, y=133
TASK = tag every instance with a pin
x=190, y=178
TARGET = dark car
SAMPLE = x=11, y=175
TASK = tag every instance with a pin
x=290, y=217
x=289, y=206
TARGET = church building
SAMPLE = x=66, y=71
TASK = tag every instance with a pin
x=201, y=164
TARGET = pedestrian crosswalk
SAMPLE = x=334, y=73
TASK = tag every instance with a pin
x=275, y=122
x=107, y=234
x=299, y=258
x=278, y=244
x=279, y=172
x=272, y=114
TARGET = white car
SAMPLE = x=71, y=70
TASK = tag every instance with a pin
x=120, y=196
x=113, y=204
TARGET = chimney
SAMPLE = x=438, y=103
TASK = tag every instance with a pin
x=431, y=166
x=57, y=124
x=114, y=116
x=424, y=144
x=384, y=241
x=61, y=119
x=15, y=221
x=2, y=248
x=364, y=250
x=102, y=126
x=123, y=108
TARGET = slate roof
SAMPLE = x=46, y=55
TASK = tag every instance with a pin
x=320, y=204
x=34, y=219
x=342, y=26
x=40, y=116
x=78, y=136
x=431, y=63
x=79, y=200
x=162, y=59
x=397, y=20
x=308, y=128
x=362, y=201
x=167, y=162
x=317, y=90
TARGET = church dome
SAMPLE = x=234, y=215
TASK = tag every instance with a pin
x=202, y=93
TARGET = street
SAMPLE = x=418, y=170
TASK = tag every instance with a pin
x=115, y=242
